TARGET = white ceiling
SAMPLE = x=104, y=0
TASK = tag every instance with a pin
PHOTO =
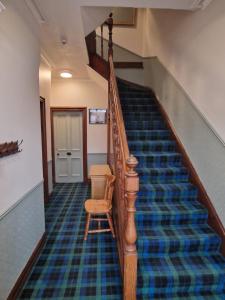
x=71, y=20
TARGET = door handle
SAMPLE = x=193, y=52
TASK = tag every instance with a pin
x=69, y=153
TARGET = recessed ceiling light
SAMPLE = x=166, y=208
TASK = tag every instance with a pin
x=66, y=74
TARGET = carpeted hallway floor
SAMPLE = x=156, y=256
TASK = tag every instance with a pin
x=68, y=267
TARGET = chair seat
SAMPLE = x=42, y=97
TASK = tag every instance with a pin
x=93, y=206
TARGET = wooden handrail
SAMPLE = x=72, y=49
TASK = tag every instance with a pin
x=123, y=165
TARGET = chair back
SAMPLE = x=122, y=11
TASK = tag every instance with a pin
x=109, y=187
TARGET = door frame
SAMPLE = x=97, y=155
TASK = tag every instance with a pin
x=44, y=147
x=83, y=110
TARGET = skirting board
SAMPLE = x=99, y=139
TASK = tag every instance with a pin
x=24, y=275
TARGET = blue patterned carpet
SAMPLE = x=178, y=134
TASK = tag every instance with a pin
x=178, y=252
x=68, y=267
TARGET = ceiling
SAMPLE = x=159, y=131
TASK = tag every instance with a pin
x=63, y=25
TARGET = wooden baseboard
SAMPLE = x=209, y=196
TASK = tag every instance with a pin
x=213, y=218
x=24, y=275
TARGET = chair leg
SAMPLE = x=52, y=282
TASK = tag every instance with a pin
x=87, y=226
x=110, y=224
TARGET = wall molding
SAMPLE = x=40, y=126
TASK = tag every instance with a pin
x=213, y=218
x=24, y=274
x=20, y=200
x=205, y=119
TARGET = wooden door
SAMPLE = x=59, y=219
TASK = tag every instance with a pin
x=44, y=147
x=68, y=146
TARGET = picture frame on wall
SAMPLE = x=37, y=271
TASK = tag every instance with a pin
x=97, y=116
x=124, y=16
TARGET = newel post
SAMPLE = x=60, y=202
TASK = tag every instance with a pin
x=130, y=255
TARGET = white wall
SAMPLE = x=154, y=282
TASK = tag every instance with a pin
x=130, y=38
x=191, y=46
x=83, y=93
x=45, y=92
x=20, y=112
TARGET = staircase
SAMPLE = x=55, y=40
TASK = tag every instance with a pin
x=178, y=253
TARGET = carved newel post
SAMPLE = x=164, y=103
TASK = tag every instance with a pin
x=130, y=259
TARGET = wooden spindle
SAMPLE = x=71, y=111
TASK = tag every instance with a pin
x=130, y=256
x=110, y=26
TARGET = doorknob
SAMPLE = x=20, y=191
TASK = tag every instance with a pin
x=68, y=153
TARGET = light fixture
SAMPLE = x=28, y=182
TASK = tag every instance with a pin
x=2, y=7
x=66, y=74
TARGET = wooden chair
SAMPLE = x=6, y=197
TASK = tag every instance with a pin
x=100, y=207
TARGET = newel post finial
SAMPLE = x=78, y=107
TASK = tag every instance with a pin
x=110, y=26
x=132, y=187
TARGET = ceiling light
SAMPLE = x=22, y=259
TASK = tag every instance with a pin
x=2, y=7
x=66, y=74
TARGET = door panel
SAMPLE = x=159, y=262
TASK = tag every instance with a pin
x=68, y=136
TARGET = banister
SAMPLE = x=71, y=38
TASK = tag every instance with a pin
x=123, y=165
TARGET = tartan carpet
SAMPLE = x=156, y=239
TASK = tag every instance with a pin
x=69, y=267
x=178, y=252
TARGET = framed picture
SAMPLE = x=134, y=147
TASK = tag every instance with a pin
x=97, y=116
x=124, y=16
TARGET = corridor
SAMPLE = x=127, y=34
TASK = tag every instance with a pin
x=68, y=267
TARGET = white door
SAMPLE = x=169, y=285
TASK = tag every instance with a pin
x=68, y=140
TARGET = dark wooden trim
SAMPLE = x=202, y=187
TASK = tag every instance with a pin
x=134, y=85
x=27, y=269
x=128, y=65
x=213, y=218
x=44, y=147
x=84, y=115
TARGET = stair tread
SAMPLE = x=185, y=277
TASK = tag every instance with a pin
x=164, y=264
x=155, y=207
x=169, y=232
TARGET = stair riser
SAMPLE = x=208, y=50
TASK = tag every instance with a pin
x=140, y=115
x=139, y=108
x=188, y=286
x=144, y=125
x=128, y=94
x=159, y=161
x=155, y=246
x=148, y=135
x=169, y=196
x=159, y=147
x=179, y=219
x=137, y=101
x=170, y=177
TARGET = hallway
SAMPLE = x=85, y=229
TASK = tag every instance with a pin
x=68, y=267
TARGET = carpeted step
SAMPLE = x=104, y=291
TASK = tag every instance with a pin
x=138, y=107
x=144, y=135
x=137, y=101
x=143, y=125
x=134, y=115
x=163, y=175
x=155, y=213
x=163, y=277
x=158, y=159
x=167, y=192
x=174, y=239
x=135, y=94
x=153, y=146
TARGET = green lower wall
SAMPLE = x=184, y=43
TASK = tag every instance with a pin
x=21, y=228
x=205, y=149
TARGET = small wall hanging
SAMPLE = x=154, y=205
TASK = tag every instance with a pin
x=10, y=148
